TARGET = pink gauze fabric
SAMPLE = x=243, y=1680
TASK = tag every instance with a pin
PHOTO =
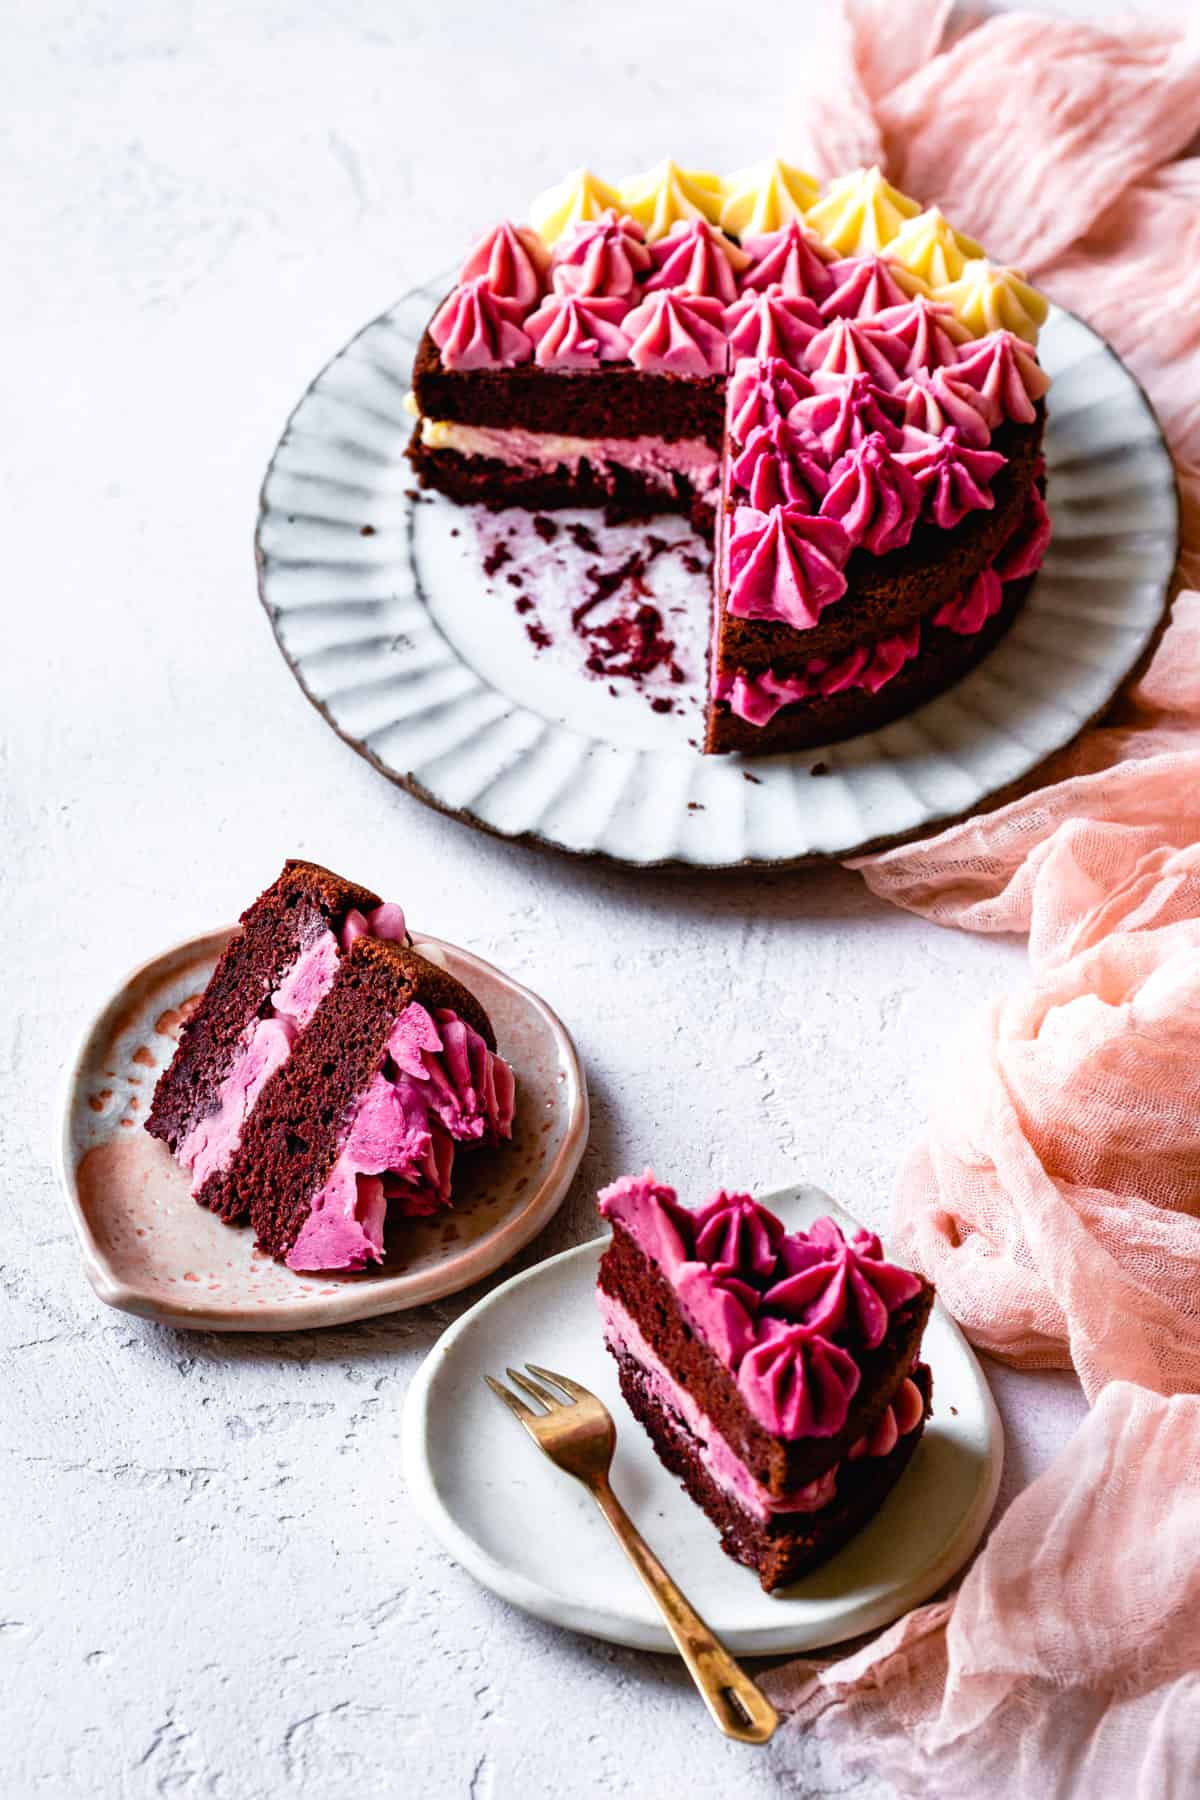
x=1055, y=1196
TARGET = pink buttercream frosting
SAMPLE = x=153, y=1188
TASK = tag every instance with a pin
x=873, y=497
x=577, y=331
x=953, y=478
x=970, y=611
x=760, y=391
x=931, y=333
x=785, y=564
x=439, y=1083
x=797, y=1383
x=1005, y=372
x=833, y=1283
x=209, y=1146
x=769, y=322
x=845, y=410
x=792, y=258
x=862, y=286
x=513, y=262
x=757, y=698
x=1023, y=553
x=474, y=329
x=935, y=400
x=784, y=1311
x=603, y=256
x=697, y=258
x=778, y=465
x=858, y=347
x=676, y=333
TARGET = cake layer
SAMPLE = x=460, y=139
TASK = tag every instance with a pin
x=624, y=1340
x=635, y=1281
x=657, y=461
x=304, y=903
x=291, y=1142
x=780, y=1546
x=615, y=400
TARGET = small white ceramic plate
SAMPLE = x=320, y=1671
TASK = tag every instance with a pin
x=385, y=613
x=149, y=1249
x=534, y=1536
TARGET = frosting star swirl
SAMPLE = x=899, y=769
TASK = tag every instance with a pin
x=858, y=347
x=873, y=497
x=1005, y=372
x=792, y=258
x=580, y=196
x=696, y=258
x=835, y=1286
x=987, y=297
x=954, y=479
x=665, y=194
x=735, y=1234
x=843, y=411
x=721, y=1305
x=860, y=213
x=578, y=331
x=930, y=333
x=678, y=334
x=600, y=256
x=1023, y=553
x=865, y=285
x=513, y=261
x=785, y=564
x=970, y=611
x=934, y=400
x=761, y=391
x=771, y=323
x=929, y=246
x=765, y=197
x=796, y=1383
x=473, y=330
x=778, y=466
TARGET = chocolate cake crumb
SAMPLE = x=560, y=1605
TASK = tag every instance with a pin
x=496, y=558
x=819, y=768
x=366, y=531
x=747, y=776
x=547, y=529
x=538, y=636
x=583, y=537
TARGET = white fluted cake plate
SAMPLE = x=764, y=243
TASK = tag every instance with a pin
x=448, y=646
x=532, y=1535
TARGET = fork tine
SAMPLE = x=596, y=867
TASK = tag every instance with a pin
x=550, y=1401
x=561, y=1381
x=525, y=1413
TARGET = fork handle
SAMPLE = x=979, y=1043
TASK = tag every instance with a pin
x=738, y=1706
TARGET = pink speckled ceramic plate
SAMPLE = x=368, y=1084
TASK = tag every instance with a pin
x=149, y=1249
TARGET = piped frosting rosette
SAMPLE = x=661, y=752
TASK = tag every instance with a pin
x=474, y=329
x=793, y=258
x=604, y=256
x=512, y=260
x=699, y=259
x=840, y=1286
x=785, y=564
x=578, y=331
x=777, y=465
x=762, y=390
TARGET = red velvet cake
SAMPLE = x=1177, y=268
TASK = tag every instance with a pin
x=777, y=1374
x=840, y=384
x=327, y=1075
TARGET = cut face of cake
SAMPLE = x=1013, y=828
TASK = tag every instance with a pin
x=327, y=1075
x=841, y=386
x=777, y=1374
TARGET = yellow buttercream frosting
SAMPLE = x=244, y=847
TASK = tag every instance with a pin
x=860, y=214
x=987, y=297
x=666, y=194
x=580, y=197
x=765, y=198
x=930, y=246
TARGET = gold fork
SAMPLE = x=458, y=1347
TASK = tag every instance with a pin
x=579, y=1436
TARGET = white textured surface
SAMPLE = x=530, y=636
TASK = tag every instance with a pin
x=210, y=1584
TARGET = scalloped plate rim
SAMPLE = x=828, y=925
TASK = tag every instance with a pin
x=934, y=821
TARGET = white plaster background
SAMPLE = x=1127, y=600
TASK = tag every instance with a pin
x=210, y=1582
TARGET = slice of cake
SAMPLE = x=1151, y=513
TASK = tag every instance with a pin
x=327, y=1074
x=841, y=385
x=777, y=1374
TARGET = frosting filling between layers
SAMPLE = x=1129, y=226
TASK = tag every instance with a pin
x=623, y=1335
x=209, y=1146
x=438, y=1083
x=655, y=459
